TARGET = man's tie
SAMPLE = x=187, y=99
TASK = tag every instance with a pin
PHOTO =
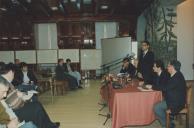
x=144, y=54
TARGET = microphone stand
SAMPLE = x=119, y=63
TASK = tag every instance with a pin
x=108, y=115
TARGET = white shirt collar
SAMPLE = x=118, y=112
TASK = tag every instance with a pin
x=145, y=52
x=171, y=75
x=159, y=73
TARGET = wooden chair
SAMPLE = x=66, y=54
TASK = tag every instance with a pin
x=61, y=85
x=185, y=111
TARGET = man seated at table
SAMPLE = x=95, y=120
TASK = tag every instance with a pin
x=62, y=75
x=72, y=71
x=175, y=94
x=161, y=76
x=25, y=79
x=127, y=67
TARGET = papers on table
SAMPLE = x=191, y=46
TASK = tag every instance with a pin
x=33, y=92
x=29, y=95
x=21, y=123
x=144, y=89
x=122, y=75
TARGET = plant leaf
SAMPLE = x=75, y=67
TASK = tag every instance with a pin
x=169, y=24
x=171, y=14
x=170, y=9
x=161, y=27
x=172, y=35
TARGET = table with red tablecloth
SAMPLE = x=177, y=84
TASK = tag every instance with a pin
x=129, y=106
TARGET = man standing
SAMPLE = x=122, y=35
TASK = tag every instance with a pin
x=146, y=61
x=175, y=94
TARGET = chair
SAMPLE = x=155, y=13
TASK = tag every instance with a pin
x=185, y=111
x=61, y=85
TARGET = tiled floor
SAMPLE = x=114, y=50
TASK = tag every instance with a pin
x=79, y=109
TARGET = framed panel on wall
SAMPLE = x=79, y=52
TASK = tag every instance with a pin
x=28, y=56
x=91, y=59
x=72, y=54
x=7, y=56
x=47, y=56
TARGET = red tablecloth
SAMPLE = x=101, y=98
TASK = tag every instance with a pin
x=129, y=106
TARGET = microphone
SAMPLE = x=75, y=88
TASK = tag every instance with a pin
x=130, y=56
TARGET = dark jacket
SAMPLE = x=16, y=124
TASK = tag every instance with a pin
x=18, y=77
x=66, y=69
x=59, y=71
x=175, y=93
x=131, y=70
x=145, y=66
x=160, y=82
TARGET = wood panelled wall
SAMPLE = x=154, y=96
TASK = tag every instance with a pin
x=18, y=33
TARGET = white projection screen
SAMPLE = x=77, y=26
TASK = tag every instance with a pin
x=7, y=56
x=115, y=49
x=28, y=56
x=72, y=54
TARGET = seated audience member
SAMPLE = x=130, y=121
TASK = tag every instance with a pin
x=127, y=67
x=17, y=62
x=8, y=119
x=30, y=111
x=71, y=70
x=161, y=77
x=175, y=94
x=17, y=71
x=61, y=75
x=26, y=80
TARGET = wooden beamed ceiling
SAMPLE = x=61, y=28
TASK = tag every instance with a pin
x=72, y=8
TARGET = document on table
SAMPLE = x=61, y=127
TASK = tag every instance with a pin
x=144, y=89
x=29, y=95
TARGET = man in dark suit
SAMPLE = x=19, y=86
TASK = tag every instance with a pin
x=145, y=64
x=161, y=77
x=17, y=70
x=175, y=94
x=25, y=72
x=61, y=75
x=127, y=67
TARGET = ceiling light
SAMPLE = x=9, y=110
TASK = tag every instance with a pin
x=104, y=6
x=65, y=1
x=87, y=1
x=29, y=1
x=73, y=0
x=3, y=9
x=54, y=8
